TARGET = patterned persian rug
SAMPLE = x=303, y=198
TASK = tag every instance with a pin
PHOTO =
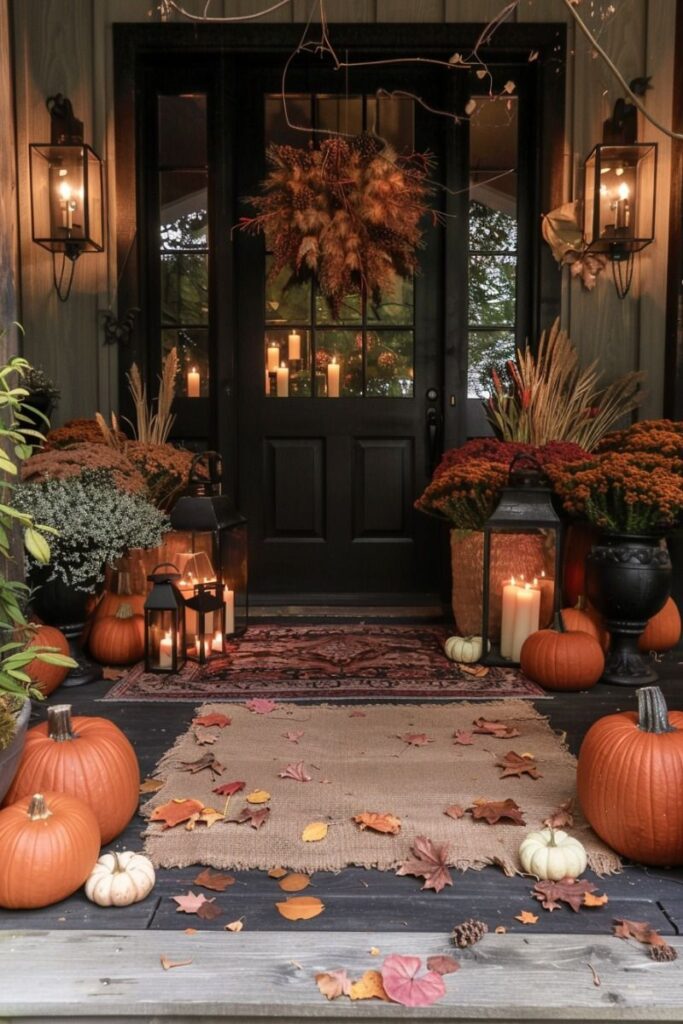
x=299, y=662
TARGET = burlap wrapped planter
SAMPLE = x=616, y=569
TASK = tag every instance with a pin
x=521, y=554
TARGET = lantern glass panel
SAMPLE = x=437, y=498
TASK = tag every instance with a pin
x=619, y=197
x=66, y=197
x=165, y=640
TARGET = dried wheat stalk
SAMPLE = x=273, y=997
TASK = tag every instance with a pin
x=154, y=427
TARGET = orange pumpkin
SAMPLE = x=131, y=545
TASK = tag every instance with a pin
x=663, y=631
x=89, y=758
x=110, y=603
x=630, y=779
x=562, y=661
x=48, y=846
x=48, y=677
x=118, y=639
x=585, y=620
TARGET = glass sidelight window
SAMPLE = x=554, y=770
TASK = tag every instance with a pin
x=367, y=351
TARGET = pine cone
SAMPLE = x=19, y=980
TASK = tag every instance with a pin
x=663, y=953
x=367, y=144
x=469, y=932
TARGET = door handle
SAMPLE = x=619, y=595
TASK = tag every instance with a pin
x=433, y=424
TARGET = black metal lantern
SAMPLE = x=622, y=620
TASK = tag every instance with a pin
x=522, y=564
x=619, y=194
x=215, y=549
x=67, y=192
x=165, y=641
x=207, y=607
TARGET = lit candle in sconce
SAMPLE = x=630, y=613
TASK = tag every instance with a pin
x=273, y=352
x=193, y=383
x=67, y=204
x=282, y=381
x=623, y=207
x=294, y=346
x=267, y=382
x=333, y=369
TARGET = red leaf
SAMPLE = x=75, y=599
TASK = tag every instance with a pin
x=463, y=737
x=229, y=788
x=405, y=985
x=215, y=718
x=500, y=730
x=517, y=765
x=568, y=890
x=454, y=811
x=443, y=964
x=254, y=817
x=260, y=705
x=416, y=739
x=209, y=911
x=428, y=861
x=640, y=930
x=494, y=811
x=214, y=880
x=295, y=771
x=562, y=816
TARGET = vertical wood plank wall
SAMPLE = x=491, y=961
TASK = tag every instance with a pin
x=9, y=236
x=66, y=46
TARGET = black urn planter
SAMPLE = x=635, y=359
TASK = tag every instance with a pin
x=60, y=605
x=628, y=579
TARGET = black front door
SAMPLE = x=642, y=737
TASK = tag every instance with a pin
x=339, y=413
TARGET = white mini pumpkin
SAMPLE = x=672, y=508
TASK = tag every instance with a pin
x=119, y=879
x=467, y=649
x=552, y=855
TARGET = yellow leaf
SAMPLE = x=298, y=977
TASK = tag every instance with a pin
x=234, y=926
x=294, y=883
x=370, y=986
x=314, y=832
x=589, y=900
x=190, y=931
x=301, y=908
x=259, y=796
x=526, y=917
x=374, y=951
x=210, y=816
x=501, y=930
x=277, y=873
x=151, y=785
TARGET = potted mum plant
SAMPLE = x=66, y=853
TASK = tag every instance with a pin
x=95, y=522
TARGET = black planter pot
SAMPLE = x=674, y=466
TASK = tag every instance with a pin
x=60, y=605
x=628, y=579
x=43, y=403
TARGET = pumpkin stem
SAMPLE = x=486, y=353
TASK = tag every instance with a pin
x=653, y=714
x=38, y=809
x=118, y=868
x=581, y=603
x=552, y=837
x=124, y=611
x=59, y=727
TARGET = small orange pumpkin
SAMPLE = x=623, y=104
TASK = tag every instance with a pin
x=630, y=779
x=110, y=603
x=663, y=631
x=118, y=639
x=48, y=677
x=585, y=620
x=49, y=844
x=89, y=758
x=562, y=660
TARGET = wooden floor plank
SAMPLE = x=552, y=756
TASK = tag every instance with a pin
x=271, y=976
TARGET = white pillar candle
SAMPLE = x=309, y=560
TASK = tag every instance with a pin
x=294, y=345
x=229, y=602
x=333, y=369
x=217, y=642
x=267, y=382
x=193, y=383
x=282, y=381
x=527, y=611
x=273, y=357
x=507, y=624
x=166, y=651
x=202, y=645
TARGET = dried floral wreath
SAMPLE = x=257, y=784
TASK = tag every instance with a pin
x=346, y=213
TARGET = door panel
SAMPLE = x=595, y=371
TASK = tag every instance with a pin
x=294, y=474
x=383, y=488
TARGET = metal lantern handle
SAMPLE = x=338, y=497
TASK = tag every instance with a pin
x=155, y=575
x=526, y=466
x=210, y=481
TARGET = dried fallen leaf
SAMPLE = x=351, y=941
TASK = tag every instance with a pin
x=207, y=761
x=568, y=890
x=190, y=902
x=405, y=985
x=416, y=739
x=255, y=818
x=357, y=714
x=478, y=671
x=481, y=73
x=369, y=986
x=494, y=811
x=111, y=674
x=214, y=718
x=301, y=908
x=277, y=872
x=294, y=736
x=176, y=811
x=207, y=816
x=428, y=861
x=562, y=816
x=260, y=705
x=204, y=737
x=509, y=87
x=639, y=930
x=463, y=737
x=589, y=900
x=500, y=730
x=443, y=964
x=333, y=984
x=295, y=771
x=378, y=822
x=526, y=917
x=259, y=796
x=209, y=911
x=454, y=811
x=314, y=832
x=518, y=765
x=374, y=951
x=215, y=880
x=151, y=785
x=229, y=788
x=190, y=931
x=234, y=926
x=169, y=964
x=501, y=930
x=295, y=882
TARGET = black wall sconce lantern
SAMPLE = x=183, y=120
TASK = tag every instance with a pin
x=67, y=193
x=620, y=176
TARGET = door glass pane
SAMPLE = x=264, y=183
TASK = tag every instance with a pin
x=182, y=130
x=392, y=118
x=389, y=364
x=288, y=363
x=193, y=357
x=183, y=210
x=397, y=305
x=287, y=301
x=488, y=350
x=492, y=290
x=339, y=364
x=299, y=114
x=339, y=114
x=184, y=288
x=350, y=312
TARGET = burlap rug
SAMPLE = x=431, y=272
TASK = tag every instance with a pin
x=359, y=759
